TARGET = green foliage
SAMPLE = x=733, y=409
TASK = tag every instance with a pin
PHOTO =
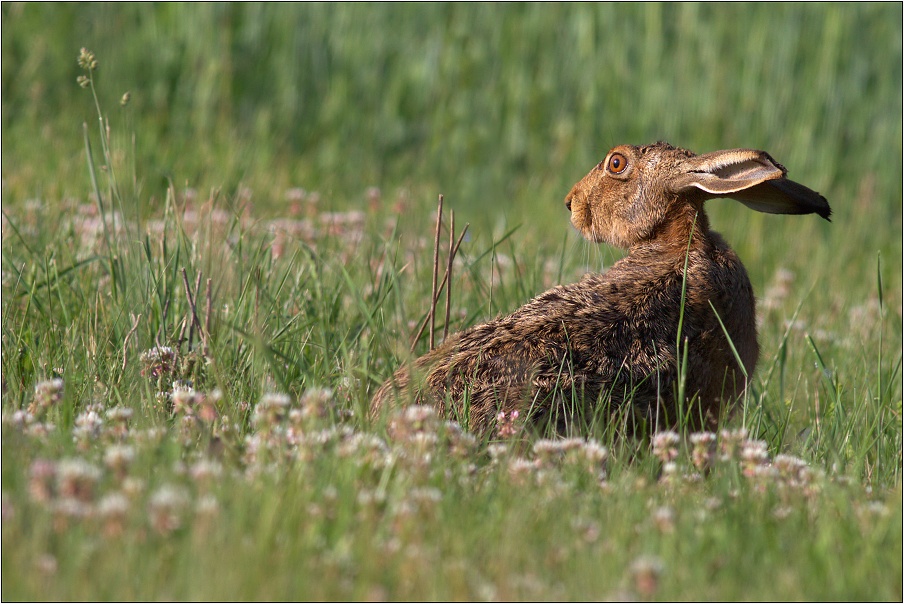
x=186, y=375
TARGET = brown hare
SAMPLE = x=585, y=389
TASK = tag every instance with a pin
x=612, y=339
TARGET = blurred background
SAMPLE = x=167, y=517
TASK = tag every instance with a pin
x=500, y=107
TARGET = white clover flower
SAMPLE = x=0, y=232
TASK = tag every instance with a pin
x=77, y=479
x=665, y=445
x=165, y=508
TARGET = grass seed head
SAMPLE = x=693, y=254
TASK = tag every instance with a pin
x=87, y=60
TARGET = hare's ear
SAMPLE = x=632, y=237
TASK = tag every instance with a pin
x=751, y=177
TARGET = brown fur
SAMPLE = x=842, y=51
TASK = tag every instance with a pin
x=612, y=338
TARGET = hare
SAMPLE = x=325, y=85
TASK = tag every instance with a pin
x=611, y=341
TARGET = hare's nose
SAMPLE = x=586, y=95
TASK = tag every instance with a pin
x=568, y=203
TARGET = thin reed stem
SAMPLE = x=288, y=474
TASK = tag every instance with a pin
x=449, y=273
x=439, y=223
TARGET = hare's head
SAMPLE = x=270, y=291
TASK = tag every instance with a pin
x=629, y=196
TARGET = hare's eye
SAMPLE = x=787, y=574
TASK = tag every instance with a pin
x=617, y=163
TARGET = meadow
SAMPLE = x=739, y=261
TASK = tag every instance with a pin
x=217, y=242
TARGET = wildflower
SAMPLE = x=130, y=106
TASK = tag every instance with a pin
x=366, y=498
x=364, y=449
x=779, y=289
x=781, y=512
x=422, y=443
x=665, y=446
x=730, y=442
x=192, y=405
x=520, y=469
x=118, y=458
x=589, y=530
x=207, y=508
x=46, y=564
x=88, y=425
x=296, y=195
x=373, y=198
x=669, y=471
x=461, y=444
x=183, y=398
x=424, y=499
x=704, y=450
x=205, y=471
x=498, y=451
x=47, y=394
x=126, y=97
x=77, y=479
x=39, y=429
x=112, y=509
x=165, y=508
x=41, y=479
x=132, y=487
x=8, y=510
x=596, y=456
x=207, y=406
x=754, y=454
x=664, y=519
x=712, y=503
x=270, y=410
x=645, y=574
x=159, y=361
x=118, y=422
x=552, y=451
x=19, y=419
x=505, y=424
x=793, y=471
x=316, y=403
x=411, y=420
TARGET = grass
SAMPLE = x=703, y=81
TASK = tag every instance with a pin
x=244, y=465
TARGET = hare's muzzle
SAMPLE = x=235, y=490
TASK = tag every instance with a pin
x=568, y=203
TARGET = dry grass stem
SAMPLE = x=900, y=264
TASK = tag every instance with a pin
x=207, y=310
x=125, y=342
x=433, y=297
x=442, y=284
x=449, y=272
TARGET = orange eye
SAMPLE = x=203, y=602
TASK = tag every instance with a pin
x=617, y=163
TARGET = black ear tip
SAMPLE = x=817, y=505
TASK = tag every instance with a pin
x=826, y=210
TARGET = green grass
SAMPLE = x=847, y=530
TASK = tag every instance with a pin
x=227, y=495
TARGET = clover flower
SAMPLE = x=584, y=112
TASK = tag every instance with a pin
x=270, y=410
x=703, y=453
x=730, y=443
x=42, y=480
x=754, y=455
x=159, y=361
x=112, y=510
x=165, y=508
x=665, y=446
x=506, y=425
x=118, y=458
x=77, y=479
x=88, y=426
x=646, y=572
x=47, y=394
x=412, y=420
x=664, y=519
